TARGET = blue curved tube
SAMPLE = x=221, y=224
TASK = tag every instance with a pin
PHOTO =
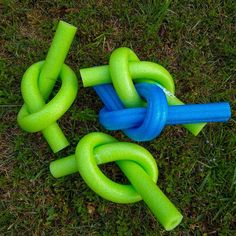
x=115, y=117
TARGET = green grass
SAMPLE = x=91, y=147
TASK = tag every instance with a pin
x=195, y=41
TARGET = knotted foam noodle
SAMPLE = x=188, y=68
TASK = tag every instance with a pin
x=153, y=121
x=124, y=66
x=36, y=87
x=137, y=164
x=146, y=123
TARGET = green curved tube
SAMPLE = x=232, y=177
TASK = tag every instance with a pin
x=139, y=71
x=136, y=162
x=42, y=115
x=37, y=84
x=121, y=79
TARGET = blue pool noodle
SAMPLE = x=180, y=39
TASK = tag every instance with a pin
x=115, y=117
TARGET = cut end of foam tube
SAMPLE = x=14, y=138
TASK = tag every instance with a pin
x=63, y=167
x=67, y=25
x=95, y=76
x=195, y=129
x=173, y=223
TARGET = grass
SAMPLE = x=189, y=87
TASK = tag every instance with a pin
x=195, y=41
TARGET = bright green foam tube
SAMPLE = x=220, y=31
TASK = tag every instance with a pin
x=50, y=71
x=55, y=58
x=159, y=204
x=165, y=212
x=63, y=166
x=35, y=115
x=141, y=71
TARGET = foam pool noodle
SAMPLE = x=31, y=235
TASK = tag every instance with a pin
x=146, y=123
x=136, y=163
x=37, y=84
x=124, y=66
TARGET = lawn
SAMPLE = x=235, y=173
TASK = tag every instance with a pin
x=194, y=41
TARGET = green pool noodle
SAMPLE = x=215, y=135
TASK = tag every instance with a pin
x=137, y=164
x=139, y=71
x=37, y=84
x=56, y=56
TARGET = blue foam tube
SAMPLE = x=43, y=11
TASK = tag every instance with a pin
x=109, y=97
x=180, y=114
x=115, y=117
x=198, y=113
